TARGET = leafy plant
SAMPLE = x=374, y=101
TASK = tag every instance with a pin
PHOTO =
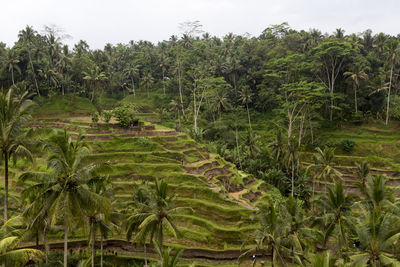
x=125, y=115
x=347, y=145
x=107, y=115
x=95, y=117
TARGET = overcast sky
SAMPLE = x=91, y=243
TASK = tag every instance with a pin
x=119, y=21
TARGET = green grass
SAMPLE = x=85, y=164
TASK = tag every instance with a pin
x=63, y=106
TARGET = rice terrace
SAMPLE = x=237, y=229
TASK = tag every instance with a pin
x=275, y=149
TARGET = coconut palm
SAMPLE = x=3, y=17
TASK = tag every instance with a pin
x=356, y=76
x=324, y=164
x=336, y=218
x=167, y=259
x=219, y=101
x=15, y=113
x=63, y=191
x=378, y=232
x=232, y=66
x=156, y=216
x=147, y=82
x=27, y=36
x=11, y=234
x=245, y=96
x=362, y=173
x=177, y=107
x=392, y=52
x=12, y=63
x=269, y=236
x=94, y=77
x=132, y=72
x=377, y=194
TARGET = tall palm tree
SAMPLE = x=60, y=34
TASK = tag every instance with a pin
x=132, y=72
x=245, y=96
x=356, y=76
x=167, y=259
x=94, y=77
x=11, y=234
x=15, y=113
x=336, y=218
x=27, y=36
x=392, y=52
x=156, y=216
x=177, y=107
x=63, y=191
x=232, y=66
x=363, y=173
x=324, y=164
x=147, y=82
x=12, y=63
x=220, y=101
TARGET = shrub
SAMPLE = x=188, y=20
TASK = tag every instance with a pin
x=347, y=145
x=125, y=115
x=95, y=117
x=107, y=115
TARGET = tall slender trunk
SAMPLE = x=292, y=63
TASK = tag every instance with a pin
x=12, y=74
x=272, y=257
x=180, y=84
x=163, y=78
x=5, y=186
x=237, y=146
x=66, y=240
x=101, y=250
x=248, y=114
x=45, y=241
x=33, y=72
x=355, y=97
x=145, y=255
x=293, y=176
x=93, y=242
x=388, y=97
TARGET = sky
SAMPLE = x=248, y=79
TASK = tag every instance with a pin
x=118, y=21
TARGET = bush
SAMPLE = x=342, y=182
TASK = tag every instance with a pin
x=107, y=115
x=347, y=145
x=125, y=115
x=95, y=117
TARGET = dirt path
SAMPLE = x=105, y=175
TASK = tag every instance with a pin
x=236, y=196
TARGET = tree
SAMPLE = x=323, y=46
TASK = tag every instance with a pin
x=336, y=218
x=362, y=173
x=392, y=53
x=12, y=62
x=94, y=77
x=331, y=56
x=157, y=216
x=324, y=164
x=15, y=113
x=27, y=36
x=132, y=72
x=63, y=192
x=246, y=97
x=167, y=259
x=147, y=82
x=11, y=234
x=356, y=76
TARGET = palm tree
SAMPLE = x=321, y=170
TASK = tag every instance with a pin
x=10, y=236
x=337, y=206
x=392, y=52
x=278, y=148
x=28, y=35
x=270, y=234
x=15, y=112
x=94, y=77
x=378, y=232
x=246, y=97
x=132, y=72
x=176, y=106
x=362, y=173
x=167, y=259
x=378, y=195
x=356, y=76
x=12, y=62
x=251, y=142
x=147, y=82
x=64, y=191
x=156, y=216
x=220, y=101
x=324, y=163
x=232, y=66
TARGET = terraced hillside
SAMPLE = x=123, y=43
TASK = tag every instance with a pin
x=222, y=197
x=374, y=143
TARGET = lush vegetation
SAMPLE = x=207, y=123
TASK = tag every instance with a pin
x=280, y=148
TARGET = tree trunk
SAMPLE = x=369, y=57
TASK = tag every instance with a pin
x=66, y=240
x=12, y=74
x=388, y=97
x=272, y=257
x=33, y=72
x=93, y=242
x=237, y=146
x=180, y=85
x=101, y=250
x=293, y=176
x=133, y=87
x=145, y=255
x=163, y=78
x=45, y=241
x=5, y=186
x=248, y=114
x=355, y=97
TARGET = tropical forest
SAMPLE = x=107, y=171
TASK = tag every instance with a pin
x=281, y=149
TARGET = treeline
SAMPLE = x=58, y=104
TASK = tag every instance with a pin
x=340, y=76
